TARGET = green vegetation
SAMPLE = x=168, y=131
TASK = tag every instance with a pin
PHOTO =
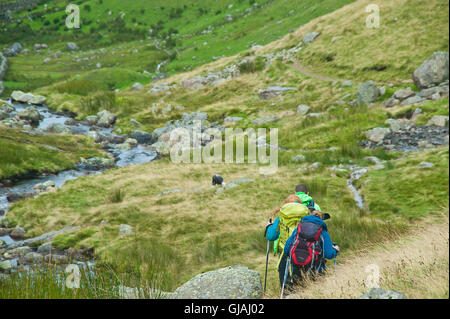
x=181, y=234
x=22, y=153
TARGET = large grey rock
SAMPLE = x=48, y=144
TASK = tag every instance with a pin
x=21, y=97
x=368, y=92
x=37, y=100
x=415, y=99
x=433, y=71
x=141, y=137
x=378, y=293
x=425, y=165
x=391, y=102
x=404, y=93
x=125, y=230
x=105, y=118
x=438, y=120
x=137, y=86
x=5, y=265
x=235, y=282
x=310, y=37
x=377, y=134
x=303, y=109
x=72, y=46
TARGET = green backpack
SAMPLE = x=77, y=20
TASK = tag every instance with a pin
x=290, y=215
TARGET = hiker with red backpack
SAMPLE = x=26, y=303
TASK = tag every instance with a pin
x=306, y=250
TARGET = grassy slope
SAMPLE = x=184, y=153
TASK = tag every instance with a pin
x=217, y=230
x=261, y=26
x=22, y=153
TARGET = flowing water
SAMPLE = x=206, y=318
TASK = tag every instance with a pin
x=137, y=155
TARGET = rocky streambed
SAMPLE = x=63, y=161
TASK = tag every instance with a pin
x=15, y=251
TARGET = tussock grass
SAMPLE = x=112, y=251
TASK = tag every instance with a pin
x=22, y=153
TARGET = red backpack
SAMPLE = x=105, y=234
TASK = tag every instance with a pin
x=306, y=252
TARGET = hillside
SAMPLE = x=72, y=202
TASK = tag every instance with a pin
x=161, y=223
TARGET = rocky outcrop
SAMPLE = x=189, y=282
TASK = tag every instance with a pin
x=235, y=282
x=368, y=92
x=378, y=293
x=432, y=71
x=406, y=139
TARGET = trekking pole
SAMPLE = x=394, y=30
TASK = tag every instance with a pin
x=288, y=261
x=267, y=254
x=335, y=259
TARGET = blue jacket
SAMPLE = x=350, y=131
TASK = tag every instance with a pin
x=328, y=250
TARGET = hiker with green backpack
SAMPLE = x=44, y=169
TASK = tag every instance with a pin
x=295, y=209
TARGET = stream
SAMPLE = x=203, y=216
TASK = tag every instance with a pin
x=24, y=188
x=355, y=175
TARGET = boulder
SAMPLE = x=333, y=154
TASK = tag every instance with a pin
x=17, y=233
x=415, y=99
x=234, y=282
x=72, y=46
x=347, y=83
x=425, y=165
x=137, y=86
x=377, y=134
x=37, y=100
x=5, y=265
x=368, y=93
x=298, y=158
x=310, y=37
x=438, y=120
x=303, y=109
x=141, y=137
x=105, y=118
x=378, y=293
x=433, y=71
x=45, y=248
x=21, y=97
x=33, y=258
x=91, y=119
x=391, y=102
x=404, y=93
x=125, y=230
x=31, y=115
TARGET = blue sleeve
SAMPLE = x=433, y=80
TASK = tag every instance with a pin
x=328, y=251
x=272, y=233
x=287, y=246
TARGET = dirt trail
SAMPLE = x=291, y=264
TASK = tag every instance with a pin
x=302, y=69
x=418, y=263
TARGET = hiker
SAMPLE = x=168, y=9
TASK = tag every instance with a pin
x=302, y=196
x=324, y=249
